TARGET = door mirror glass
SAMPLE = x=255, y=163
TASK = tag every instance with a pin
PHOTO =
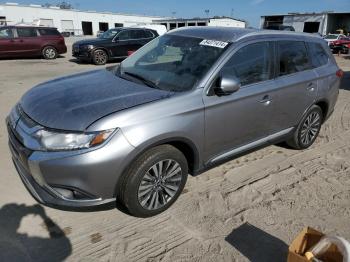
x=226, y=85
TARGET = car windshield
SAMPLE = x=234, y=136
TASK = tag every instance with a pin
x=109, y=34
x=172, y=62
x=331, y=37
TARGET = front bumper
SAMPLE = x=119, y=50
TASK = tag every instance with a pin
x=70, y=179
x=81, y=53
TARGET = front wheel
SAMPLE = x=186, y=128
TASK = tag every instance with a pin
x=99, y=57
x=308, y=129
x=154, y=181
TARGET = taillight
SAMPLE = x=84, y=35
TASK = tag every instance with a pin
x=340, y=73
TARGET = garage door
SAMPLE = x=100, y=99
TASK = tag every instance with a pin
x=67, y=26
x=46, y=22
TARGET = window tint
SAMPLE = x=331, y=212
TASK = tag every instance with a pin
x=250, y=64
x=47, y=31
x=6, y=33
x=319, y=56
x=137, y=34
x=293, y=57
x=26, y=32
x=148, y=34
x=124, y=35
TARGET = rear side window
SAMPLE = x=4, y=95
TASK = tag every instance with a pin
x=292, y=57
x=319, y=56
x=48, y=31
x=6, y=33
x=251, y=64
x=137, y=34
x=26, y=32
x=124, y=35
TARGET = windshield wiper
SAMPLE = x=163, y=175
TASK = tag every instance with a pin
x=142, y=79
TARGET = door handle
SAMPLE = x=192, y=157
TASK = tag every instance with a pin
x=266, y=100
x=311, y=87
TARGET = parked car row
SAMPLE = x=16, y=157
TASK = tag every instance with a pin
x=338, y=43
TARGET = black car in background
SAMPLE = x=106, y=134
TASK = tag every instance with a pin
x=115, y=43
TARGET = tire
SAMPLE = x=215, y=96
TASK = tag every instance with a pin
x=99, y=57
x=308, y=129
x=142, y=192
x=49, y=53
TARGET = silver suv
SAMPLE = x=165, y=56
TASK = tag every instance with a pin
x=189, y=100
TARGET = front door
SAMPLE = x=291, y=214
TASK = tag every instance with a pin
x=242, y=118
x=120, y=45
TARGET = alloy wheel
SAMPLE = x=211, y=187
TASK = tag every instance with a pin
x=310, y=128
x=50, y=53
x=160, y=184
x=100, y=57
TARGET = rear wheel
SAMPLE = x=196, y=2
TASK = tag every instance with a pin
x=154, y=181
x=308, y=129
x=49, y=53
x=99, y=57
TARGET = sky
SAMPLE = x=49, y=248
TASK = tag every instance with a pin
x=249, y=10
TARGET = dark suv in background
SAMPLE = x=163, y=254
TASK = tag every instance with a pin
x=115, y=43
x=16, y=41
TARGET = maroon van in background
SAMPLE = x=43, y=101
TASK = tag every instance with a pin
x=28, y=41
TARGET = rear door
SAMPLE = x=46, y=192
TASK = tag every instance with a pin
x=296, y=85
x=239, y=119
x=7, y=43
x=27, y=41
x=138, y=38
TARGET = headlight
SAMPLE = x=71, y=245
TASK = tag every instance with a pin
x=55, y=141
x=87, y=47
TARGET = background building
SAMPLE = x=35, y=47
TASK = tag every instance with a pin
x=75, y=21
x=323, y=23
x=215, y=21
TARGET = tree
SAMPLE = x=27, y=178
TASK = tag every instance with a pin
x=65, y=5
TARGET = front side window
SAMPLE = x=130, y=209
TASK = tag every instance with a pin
x=319, y=56
x=6, y=33
x=109, y=34
x=26, y=32
x=292, y=57
x=172, y=62
x=250, y=64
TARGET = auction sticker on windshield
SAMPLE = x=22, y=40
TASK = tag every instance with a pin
x=214, y=43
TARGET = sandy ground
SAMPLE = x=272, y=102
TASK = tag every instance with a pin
x=248, y=209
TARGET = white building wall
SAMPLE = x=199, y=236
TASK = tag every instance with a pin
x=27, y=14
x=226, y=22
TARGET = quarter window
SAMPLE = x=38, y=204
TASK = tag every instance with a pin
x=148, y=34
x=292, y=57
x=6, y=33
x=251, y=64
x=46, y=31
x=26, y=32
x=319, y=56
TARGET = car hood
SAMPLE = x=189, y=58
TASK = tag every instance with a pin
x=92, y=41
x=75, y=102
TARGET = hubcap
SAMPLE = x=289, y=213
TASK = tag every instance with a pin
x=310, y=128
x=160, y=184
x=50, y=53
x=100, y=57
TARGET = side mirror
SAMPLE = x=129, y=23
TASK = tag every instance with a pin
x=226, y=85
x=116, y=39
